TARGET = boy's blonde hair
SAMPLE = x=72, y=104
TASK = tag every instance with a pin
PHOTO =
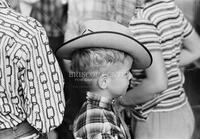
x=91, y=63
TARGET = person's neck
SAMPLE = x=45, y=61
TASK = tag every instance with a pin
x=103, y=93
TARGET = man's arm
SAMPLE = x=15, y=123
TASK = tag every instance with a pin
x=155, y=82
x=44, y=97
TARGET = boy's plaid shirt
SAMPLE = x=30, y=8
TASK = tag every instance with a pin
x=97, y=119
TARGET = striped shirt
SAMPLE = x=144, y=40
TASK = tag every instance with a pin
x=161, y=26
x=120, y=11
x=31, y=83
x=97, y=119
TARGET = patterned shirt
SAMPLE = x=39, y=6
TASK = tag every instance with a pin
x=31, y=83
x=97, y=119
x=49, y=14
x=120, y=11
x=161, y=26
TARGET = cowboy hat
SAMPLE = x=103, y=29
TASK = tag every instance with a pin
x=107, y=34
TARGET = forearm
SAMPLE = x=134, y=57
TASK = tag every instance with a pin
x=140, y=94
x=155, y=82
x=191, y=49
x=187, y=57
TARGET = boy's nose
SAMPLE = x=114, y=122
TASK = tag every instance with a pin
x=130, y=76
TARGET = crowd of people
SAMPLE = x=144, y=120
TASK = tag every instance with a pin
x=95, y=69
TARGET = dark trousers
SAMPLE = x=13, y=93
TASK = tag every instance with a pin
x=24, y=129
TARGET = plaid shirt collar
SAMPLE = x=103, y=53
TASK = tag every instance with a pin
x=99, y=101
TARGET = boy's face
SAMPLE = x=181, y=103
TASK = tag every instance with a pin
x=119, y=80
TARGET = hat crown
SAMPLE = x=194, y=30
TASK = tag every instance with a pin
x=91, y=26
x=108, y=35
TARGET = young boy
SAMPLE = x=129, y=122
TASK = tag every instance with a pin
x=102, y=58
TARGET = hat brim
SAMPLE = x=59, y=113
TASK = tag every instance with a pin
x=110, y=40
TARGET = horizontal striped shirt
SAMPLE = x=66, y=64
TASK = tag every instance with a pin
x=161, y=26
x=31, y=82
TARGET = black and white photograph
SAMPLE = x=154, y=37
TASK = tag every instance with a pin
x=99, y=69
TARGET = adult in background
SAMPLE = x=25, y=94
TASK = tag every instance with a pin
x=31, y=83
x=52, y=14
x=159, y=102
x=79, y=11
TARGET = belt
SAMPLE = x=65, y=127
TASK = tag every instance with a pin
x=15, y=127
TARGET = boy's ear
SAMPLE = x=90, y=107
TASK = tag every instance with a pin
x=103, y=81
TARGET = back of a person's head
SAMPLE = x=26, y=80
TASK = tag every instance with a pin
x=89, y=64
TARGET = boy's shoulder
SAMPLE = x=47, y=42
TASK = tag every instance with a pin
x=94, y=114
x=88, y=110
x=89, y=117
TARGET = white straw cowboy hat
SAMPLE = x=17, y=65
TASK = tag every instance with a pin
x=107, y=34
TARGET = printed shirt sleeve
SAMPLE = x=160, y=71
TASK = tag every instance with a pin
x=146, y=32
x=44, y=96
